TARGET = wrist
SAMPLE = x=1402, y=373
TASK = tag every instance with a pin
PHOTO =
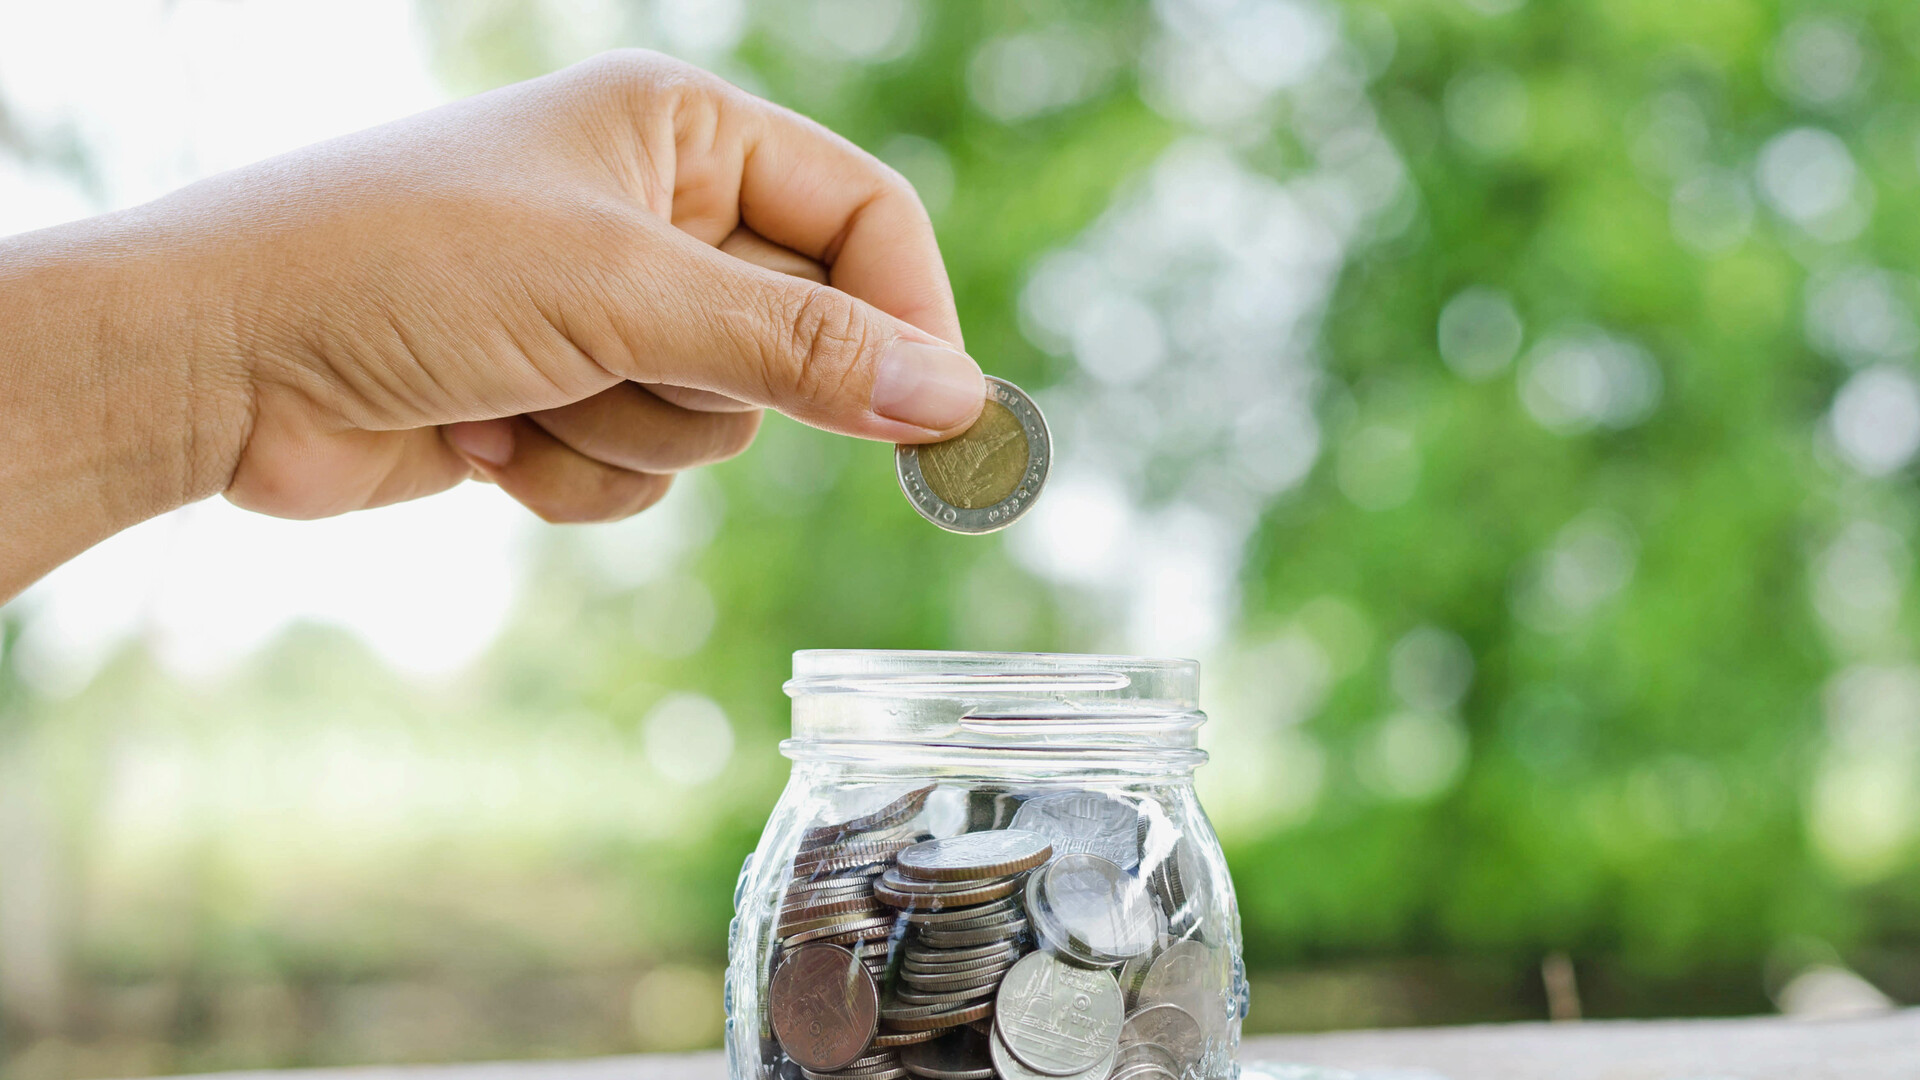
x=123, y=398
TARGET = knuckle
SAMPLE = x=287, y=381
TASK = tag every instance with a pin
x=827, y=337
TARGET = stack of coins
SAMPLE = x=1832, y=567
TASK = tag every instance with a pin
x=960, y=895
x=831, y=896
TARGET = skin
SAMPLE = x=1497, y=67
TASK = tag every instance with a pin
x=573, y=288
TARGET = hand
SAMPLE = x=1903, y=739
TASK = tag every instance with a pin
x=573, y=287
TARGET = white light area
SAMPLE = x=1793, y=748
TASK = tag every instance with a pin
x=1860, y=314
x=1061, y=286
x=688, y=739
x=1413, y=755
x=1590, y=560
x=1875, y=420
x=1858, y=579
x=1864, y=814
x=700, y=28
x=1711, y=212
x=925, y=165
x=1275, y=682
x=1378, y=467
x=427, y=585
x=1431, y=668
x=1079, y=531
x=1817, y=61
x=1219, y=61
x=651, y=545
x=34, y=197
x=870, y=31
x=1024, y=75
x=1275, y=443
x=1487, y=109
x=1119, y=339
x=162, y=93
x=1578, y=379
x=1874, y=709
x=1184, y=588
x=572, y=30
x=674, y=616
x=1479, y=333
x=1807, y=174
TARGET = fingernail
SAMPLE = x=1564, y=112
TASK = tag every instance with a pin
x=489, y=440
x=929, y=386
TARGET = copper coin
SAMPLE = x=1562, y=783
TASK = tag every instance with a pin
x=842, y=927
x=966, y=918
x=999, y=853
x=923, y=1017
x=894, y=813
x=942, y=939
x=944, y=901
x=833, y=924
x=824, y=1006
x=855, y=937
x=820, y=909
x=917, y=954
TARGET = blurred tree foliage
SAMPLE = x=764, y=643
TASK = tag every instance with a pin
x=1598, y=574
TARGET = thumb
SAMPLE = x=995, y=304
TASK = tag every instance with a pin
x=811, y=351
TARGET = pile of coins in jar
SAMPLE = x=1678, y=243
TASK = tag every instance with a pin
x=1056, y=938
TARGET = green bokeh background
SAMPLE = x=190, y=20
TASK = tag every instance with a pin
x=1692, y=783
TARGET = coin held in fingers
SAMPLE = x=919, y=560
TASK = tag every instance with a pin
x=983, y=479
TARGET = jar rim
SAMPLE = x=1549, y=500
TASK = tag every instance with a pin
x=858, y=700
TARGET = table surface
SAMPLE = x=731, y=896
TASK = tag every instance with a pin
x=1763, y=1048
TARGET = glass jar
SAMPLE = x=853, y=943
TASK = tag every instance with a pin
x=987, y=864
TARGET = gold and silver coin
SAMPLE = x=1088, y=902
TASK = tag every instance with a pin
x=983, y=479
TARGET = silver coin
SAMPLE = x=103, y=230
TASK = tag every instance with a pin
x=1143, y=1070
x=1190, y=975
x=1091, y=822
x=910, y=996
x=977, y=915
x=998, y=854
x=1009, y=1067
x=985, y=478
x=1170, y=1027
x=1090, y=909
x=1057, y=1018
x=917, y=954
x=954, y=980
x=953, y=939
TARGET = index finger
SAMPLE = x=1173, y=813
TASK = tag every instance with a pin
x=805, y=188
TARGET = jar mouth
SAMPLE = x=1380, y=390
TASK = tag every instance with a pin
x=857, y=699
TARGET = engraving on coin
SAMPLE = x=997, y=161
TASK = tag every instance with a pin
x=974, y=855
x=1009, y=1067
x=1085, y=821
x=985, y=478
x=892, y=814
x=1057, y=1018
x=824, y=1006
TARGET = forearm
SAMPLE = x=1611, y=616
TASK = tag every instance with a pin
x=108, y=391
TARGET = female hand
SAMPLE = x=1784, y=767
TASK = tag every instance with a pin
x=573, y=287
